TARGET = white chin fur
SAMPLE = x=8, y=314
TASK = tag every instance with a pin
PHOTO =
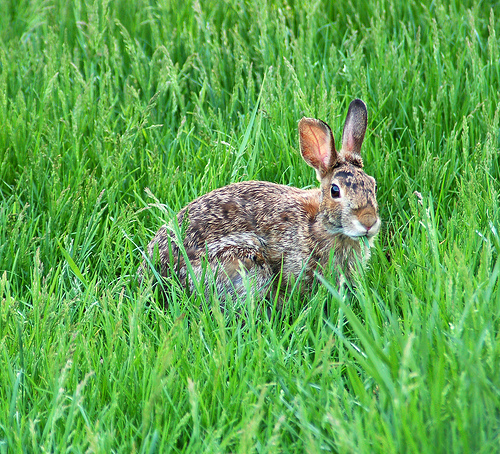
x=356, y=230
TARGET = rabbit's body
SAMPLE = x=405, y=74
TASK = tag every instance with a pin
x=274, y=233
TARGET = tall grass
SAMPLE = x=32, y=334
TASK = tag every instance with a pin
x=101, y=100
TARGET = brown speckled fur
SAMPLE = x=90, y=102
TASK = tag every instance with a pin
x=263, y=230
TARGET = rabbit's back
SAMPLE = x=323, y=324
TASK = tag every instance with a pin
x=274, y=213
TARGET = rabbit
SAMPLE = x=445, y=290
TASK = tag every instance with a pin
x=272, y=234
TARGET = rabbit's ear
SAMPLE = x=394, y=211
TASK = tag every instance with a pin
x=354, y=132
x=317, y=145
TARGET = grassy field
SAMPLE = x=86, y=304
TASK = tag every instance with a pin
x=115, y=114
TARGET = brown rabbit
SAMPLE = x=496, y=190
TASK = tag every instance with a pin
x=273, y=233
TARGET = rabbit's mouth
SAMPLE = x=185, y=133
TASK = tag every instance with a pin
x=358, y=230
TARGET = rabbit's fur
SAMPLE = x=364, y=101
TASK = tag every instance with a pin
x=273, y=233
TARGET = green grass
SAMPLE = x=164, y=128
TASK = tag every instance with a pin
x=100, y=100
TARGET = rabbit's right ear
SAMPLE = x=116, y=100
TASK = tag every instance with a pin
x=354, y=132
x=317, y=145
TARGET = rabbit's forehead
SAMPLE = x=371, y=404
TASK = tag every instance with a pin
x=352, y=177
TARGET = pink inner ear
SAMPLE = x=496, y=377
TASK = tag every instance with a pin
x=322, y=146
x=349, y=144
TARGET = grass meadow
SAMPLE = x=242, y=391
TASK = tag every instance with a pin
x=115, y=114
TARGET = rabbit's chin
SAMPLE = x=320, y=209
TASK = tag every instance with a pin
x=349, y=233
x=359, y=236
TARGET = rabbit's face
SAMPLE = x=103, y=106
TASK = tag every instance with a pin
x=349, y=203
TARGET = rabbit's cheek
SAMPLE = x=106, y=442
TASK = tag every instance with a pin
x=332, y=224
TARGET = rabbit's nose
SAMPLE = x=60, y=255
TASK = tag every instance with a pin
x=368, y=218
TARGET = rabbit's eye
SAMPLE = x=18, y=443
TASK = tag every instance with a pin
x=376, y=187
x=335, y=191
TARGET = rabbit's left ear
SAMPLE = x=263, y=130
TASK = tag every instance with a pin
x=317, y=145
x=354, y=132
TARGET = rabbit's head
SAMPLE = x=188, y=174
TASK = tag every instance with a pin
x=348, y=203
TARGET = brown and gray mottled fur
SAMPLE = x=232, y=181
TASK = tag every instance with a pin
x=265, y=231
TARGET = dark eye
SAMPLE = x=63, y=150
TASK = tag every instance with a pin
x=376, y=187
x=335, y=191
